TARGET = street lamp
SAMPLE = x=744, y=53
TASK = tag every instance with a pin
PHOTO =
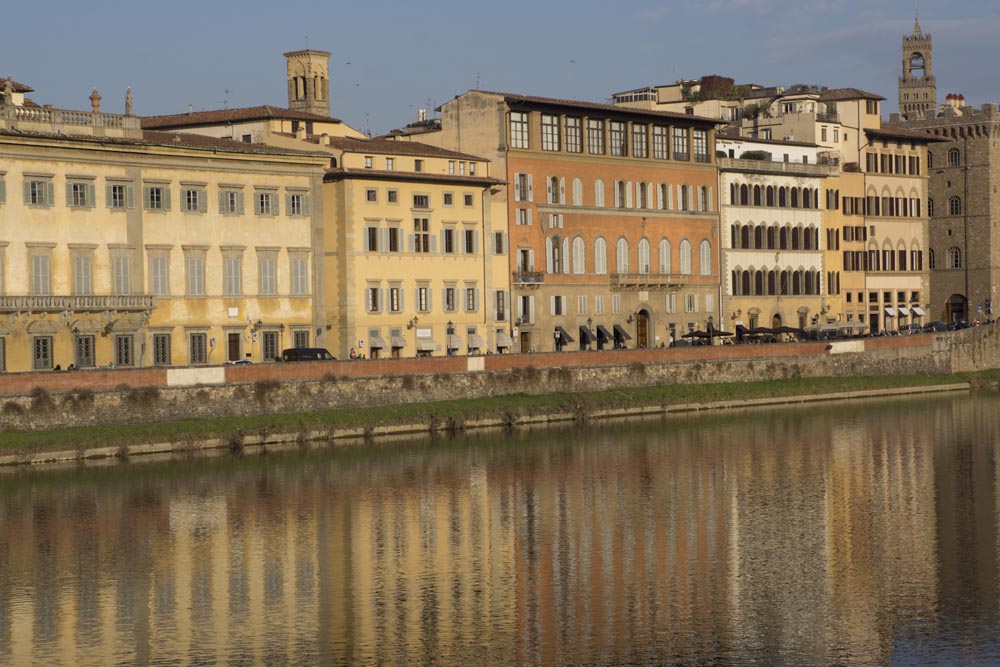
x=710, y=331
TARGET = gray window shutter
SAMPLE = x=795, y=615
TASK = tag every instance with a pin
x=410, y=242
x=107, y=196
x=256, y=205
x=69, y=194
x=430, y=299
x=50, y=193
x=505, y=246
x=529, y=217
x=531, y=308
x=239, y=203
x=402, y=300
x=146, y=190
x=475, y=241
x=166, y=198
x=222, y=201
x=711, y=205
x=562, y=190
x=548, y=189
x=3, y=191
x=444, y=246
x=384, y=240
x=531, y=188
x=517, y=188
x=477, y=299
x=565, y=256
x=91, y=195
x=203, y=201
x=130, y=196
x=305, y=204
x=548, y=254
x=433, y=244
x=27, y=192
x=288, y=205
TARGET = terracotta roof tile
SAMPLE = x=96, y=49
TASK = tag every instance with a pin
x=843, y=94
x=893, y=132
x=231, y=115
x=394, y=147
x=421, y=176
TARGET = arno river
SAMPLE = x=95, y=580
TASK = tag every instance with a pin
x=853, y=534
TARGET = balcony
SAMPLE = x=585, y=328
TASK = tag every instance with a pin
x=828, y=117
x=529, y=277
x=76, y=304
x=647, y=281
x=771, y=167
x=35, y=119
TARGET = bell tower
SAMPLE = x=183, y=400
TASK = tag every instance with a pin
x=917, y=87
x=309, y=81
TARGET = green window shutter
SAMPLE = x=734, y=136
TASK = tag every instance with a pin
x=3, y=191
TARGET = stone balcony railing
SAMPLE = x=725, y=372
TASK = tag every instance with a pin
x=769, y=167
x=93, y=303
x=40, y=119
x=529, y=277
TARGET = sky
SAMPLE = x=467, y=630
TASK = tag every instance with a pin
x=390, y=58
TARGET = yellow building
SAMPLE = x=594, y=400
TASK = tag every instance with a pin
x=415, y=262
x=136, y=248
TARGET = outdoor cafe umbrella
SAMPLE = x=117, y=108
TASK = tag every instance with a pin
x=787, y=330
x=757, y=331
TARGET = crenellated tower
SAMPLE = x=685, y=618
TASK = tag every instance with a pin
x=309, y=81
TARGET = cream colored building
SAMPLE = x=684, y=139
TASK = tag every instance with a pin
x=137, y=248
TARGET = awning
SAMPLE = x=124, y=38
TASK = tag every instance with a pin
x=890, y=312
x=397, y=341
x=563, y=337
x=603, y=335
x=503, y=340
x=452, y=341
x=377, y=343
x=621, y=333
x=586, y=335
x=916, y=310
x=903, y=312
x=426, y=345
x=476, y=342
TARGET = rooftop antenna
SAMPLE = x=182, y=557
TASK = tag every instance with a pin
x=477, y=80
x=225, y=101
x=368, y=130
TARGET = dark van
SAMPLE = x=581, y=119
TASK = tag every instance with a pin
x=307, y=354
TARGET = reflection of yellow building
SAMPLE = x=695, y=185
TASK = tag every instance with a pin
x=139, y=248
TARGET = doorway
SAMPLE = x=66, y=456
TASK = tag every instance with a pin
x=233, y=347
x=776, y=321
x=956, y=308
x=642, y=329
x=525, y=341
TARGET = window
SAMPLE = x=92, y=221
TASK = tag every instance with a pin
x=159, y=276
x=421, y=235
x=42, y=353
x=705, y=258
x=471, y=299
x=198, y=348
x=954, y=258
x=80, y=195
x=954, y=205
x=701, y=146
x=616, y=304
x=450, y=299
x=470, y=244
x=119, y=196
x=681, y=148
x=395, y=298
x=232, y=275
x=299, y=274
x=423, y=298
x=461, y=169
x=871, y=107
x=595, y=136
x=393, y=235
x=269, y=345
x=121, y=267
x=161, y=349
x=451, y=166
x=194, y=200
x=644, y=256
x=598, y=192
x=264, y=203
x=499, y=243
x=195, y=263
x=579, y=256
x=39, y=193
x=421, y=201
x=550, y=132
x=390, y=164
x=124, y=353
x=523, y=187
x=685, y=257
x=690, y=303
x=467, y=199
x=83, y=274
x=41, y=274
x=522, y=217
x=954, y=157
x=621, y=256
x=448, y=241
x=296, y=204
x=599, y=304
x=368, y=161
x=558, y=306
x=267, y=274
x=449, y=199
x=518, y=130
x=500, y=305
x=84, y=351
x=640, y=140
x=230, y=202
x=418, y=165
x=664, y=256
x=392, y=196
x=600, y=256
x=617, y=137
x=472, y=169
x=373, y=298
x=661, y=150
x=574, y=135
x=156, y=198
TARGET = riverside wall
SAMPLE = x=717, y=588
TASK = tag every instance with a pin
x=33, y=401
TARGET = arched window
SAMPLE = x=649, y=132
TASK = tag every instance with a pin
x=664, y=256
x=745, y=237
x=685, y=257
x=769, y=195
x=579, y=256
x=744, y=195
x=736, y=283
x=930, y=160
x=620, y=194
x=954, y=258
x=930, y=260
x=930, y=208
x=640, y=195
x=772, y=277
x=553, y=188
x=598, y=192
x=661, y=202
x=758, y=237
x=954, y=157
x=954, y=205
x=796, y=238
x=758, y=282
x=770, y=238
x=782, y=197
x=783, y=238
x=600, y=256
x=705, y=258
x=644, y=256
x=795, y=197
x=734, y=194
x=553, y=254
x=621, y=256
x=577, y=192
x=756, y=196
x=745, y=283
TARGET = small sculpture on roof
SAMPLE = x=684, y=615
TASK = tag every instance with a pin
x=128, y=101
x=8, y=90
x=95, y=101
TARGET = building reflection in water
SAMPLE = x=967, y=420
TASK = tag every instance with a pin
x=850, y=534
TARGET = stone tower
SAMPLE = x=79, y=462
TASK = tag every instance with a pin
x=309, y=81
x=917, y=88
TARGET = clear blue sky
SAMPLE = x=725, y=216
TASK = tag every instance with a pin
x=392, y=58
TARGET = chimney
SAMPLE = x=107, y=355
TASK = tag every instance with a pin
x=421, y=115
x=300, y=131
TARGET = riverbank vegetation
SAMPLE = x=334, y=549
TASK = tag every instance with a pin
x=452, y=414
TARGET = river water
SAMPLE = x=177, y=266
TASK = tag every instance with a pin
x=851, y=534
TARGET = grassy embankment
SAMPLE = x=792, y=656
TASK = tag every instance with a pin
x=456, y=412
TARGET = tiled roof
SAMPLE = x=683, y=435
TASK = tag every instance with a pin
x=421, y=176
x=893, y=132
x=17, y=87
x=513, y=99
x=171, y=139
x=776, y=142
x=394, y=147
x=843, y=94
x=231, y=115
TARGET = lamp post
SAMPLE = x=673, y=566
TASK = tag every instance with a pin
x=710, y=331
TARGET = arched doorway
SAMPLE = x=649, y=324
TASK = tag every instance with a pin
x=642, y=329
x=776, y=321
x=956, y=308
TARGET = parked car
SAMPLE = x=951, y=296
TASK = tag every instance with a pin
x=307, y=354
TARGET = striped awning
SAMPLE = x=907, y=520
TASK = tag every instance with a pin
x=476, y=342
x=397, y=341
x=890, y=312
x=917, y=310
x=427, y=345
x=453, y=342
x=504, y=340
x=903, y=311
x=376, y=343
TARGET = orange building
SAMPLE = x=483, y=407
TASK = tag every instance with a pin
x=612, y=213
